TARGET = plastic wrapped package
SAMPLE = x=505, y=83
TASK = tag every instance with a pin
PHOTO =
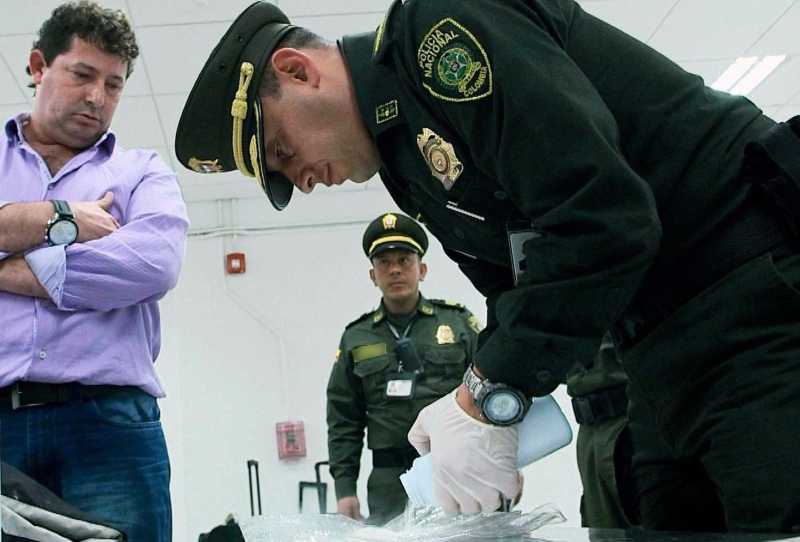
x=416, y=525
x=543, y=431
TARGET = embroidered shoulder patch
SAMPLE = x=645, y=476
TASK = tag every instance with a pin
x=453, y=63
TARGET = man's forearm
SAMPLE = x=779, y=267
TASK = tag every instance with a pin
x=22, y=225
x=16, y=277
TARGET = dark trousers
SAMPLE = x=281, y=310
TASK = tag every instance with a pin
x=715, y=403
x=603, y=456
x=106, y=456
x=385, y=494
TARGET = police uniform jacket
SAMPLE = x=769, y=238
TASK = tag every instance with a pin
x=491, y=115
x=445, y=336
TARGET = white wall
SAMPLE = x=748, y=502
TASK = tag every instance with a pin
x=242, y=352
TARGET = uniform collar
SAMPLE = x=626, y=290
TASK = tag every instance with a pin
x=12, y=131
x=14, y=134
x=424, y=308
x=376, y=86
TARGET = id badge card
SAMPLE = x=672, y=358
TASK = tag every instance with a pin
x=518, y=234
x=401, y=385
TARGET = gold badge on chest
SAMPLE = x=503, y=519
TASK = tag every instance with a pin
x=440, y=157
x=445, y=335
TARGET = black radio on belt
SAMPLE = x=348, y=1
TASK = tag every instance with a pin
x=407, y=355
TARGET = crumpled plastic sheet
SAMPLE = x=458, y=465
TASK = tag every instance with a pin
x=428, y=524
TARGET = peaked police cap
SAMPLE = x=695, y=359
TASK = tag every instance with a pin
x=221, y=127
x=394, y=231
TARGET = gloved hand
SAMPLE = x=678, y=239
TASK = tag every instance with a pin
x=474, y=463
x=350, y=507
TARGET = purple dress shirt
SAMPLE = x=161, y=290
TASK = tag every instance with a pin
x=101, y=324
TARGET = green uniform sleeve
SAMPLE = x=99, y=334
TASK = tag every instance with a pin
x=540, y=128
x=473, y=330
x=346, y=422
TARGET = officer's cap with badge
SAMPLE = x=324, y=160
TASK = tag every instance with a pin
x=221, y=127
x=394, y=231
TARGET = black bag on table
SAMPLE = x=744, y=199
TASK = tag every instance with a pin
x=33, y=513
x=230, y=532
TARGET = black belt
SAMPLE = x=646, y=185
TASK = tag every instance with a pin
x=599, y=406
x=394, y=457
x=30, y=394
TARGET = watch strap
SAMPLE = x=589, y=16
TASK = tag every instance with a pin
x=62, y=208
x=473, y=382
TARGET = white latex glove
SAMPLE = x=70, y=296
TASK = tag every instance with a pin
x=474, y=463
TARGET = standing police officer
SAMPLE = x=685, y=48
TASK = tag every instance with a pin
x=582, y=189
x=392, y=362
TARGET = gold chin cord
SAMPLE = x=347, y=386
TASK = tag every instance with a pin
x=254, y=146
x=239, y=114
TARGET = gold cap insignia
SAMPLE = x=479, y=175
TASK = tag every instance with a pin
x=205, y=166
x=440, y=157
x=389, y=221
x=444, y=335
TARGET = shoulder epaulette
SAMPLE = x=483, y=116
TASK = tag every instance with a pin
x=381, y=45
x=361, y=318
x=448, y=303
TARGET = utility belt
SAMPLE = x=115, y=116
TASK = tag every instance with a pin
x=600, y=406
x=31, y=394
x=394, y=457
x=769, y=217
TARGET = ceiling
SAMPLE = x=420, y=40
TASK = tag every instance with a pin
x=175, y=37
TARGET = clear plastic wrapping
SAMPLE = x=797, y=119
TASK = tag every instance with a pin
x=416, y=525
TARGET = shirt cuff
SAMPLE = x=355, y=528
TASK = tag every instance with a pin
x=345, y=487
x=50, y=267
x=4, y=255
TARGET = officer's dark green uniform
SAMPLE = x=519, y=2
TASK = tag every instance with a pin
x=444, y=335
x=621, y=171
x=585, y=183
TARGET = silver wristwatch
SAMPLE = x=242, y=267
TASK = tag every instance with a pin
x=499, y=404
x=61, y=229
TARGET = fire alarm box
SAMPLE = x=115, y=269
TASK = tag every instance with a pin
x=234, y=262
x=291, y=439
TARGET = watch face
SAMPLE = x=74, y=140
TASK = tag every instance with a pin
x=502, y=406
x=63, y=232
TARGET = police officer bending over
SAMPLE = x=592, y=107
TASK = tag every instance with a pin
x=392, y=362
x=585, y=184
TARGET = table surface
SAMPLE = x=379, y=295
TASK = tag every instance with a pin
x=555, y=533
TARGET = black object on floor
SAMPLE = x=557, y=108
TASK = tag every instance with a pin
x=252, y=466
x=319, y=485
